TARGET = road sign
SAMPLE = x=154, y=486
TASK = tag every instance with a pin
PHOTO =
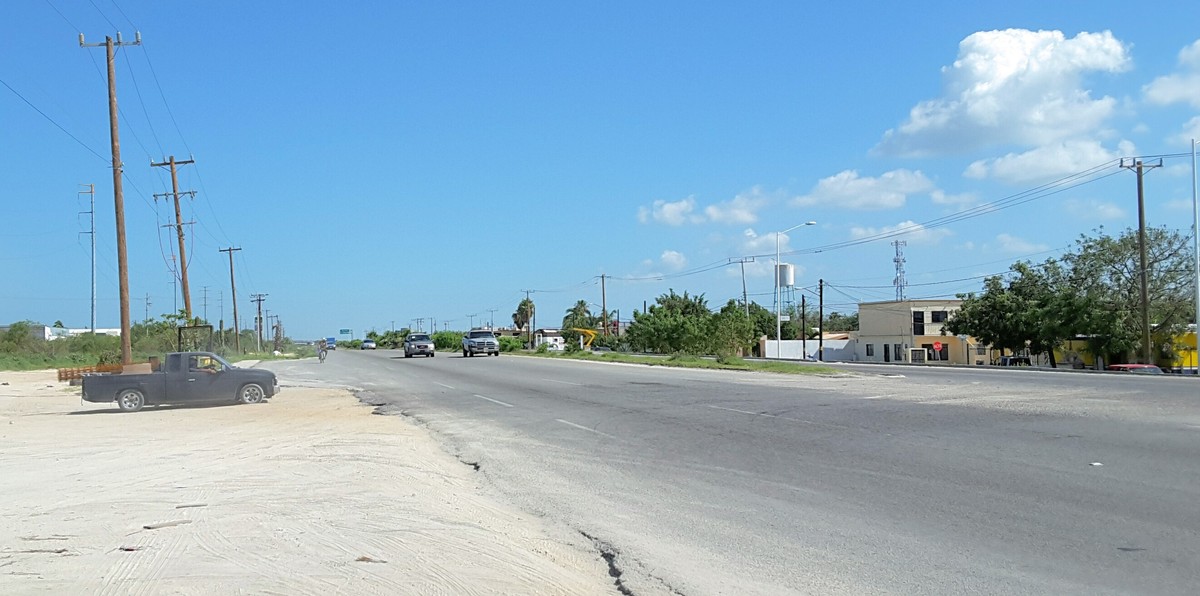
x=345, y=332
x=937, y=346
x=785, y=317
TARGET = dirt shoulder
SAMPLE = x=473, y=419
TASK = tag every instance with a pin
x=307, y=494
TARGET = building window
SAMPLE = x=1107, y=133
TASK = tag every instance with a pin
x=897, y=353
x=870, y=350
x=980, y=351
x=918, y=322
x=938, y=316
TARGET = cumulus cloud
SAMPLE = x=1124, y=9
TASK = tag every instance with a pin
x=1180, y=87
x=909, y=231
x=1012, y=244
x=849, y=190
x=742, y=209
x=674, y=213
x=960, y=200
x=673, y=260
x=1094, y=210
x=1012, y=86
x=1049, y=161
x=1191, y=130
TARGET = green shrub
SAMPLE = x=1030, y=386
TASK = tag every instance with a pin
x=447, y=340
x=543, y=348
x=511, y=344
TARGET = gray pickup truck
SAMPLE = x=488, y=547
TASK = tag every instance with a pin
x=184, y=378
x=480, y=341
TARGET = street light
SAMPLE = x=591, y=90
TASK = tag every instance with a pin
x=778, y=297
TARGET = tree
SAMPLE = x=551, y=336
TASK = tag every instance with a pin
x=674, y=323
x=838, y=322
x=731, y=331
x=577, y=317
x=1105, y=269
x=524, y=316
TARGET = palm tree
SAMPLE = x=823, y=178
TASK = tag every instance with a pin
x=524, y=315
x=579, y=316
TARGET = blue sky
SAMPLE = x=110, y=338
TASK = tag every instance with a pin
x=387, y=161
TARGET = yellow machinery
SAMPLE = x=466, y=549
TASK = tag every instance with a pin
x=590, y=334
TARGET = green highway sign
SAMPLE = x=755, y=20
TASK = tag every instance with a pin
x=345, y=332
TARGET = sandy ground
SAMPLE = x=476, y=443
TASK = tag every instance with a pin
x=307, y=494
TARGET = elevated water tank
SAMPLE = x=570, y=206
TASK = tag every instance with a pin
x=785, y=275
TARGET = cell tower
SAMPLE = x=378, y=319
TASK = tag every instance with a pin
x=899, y=282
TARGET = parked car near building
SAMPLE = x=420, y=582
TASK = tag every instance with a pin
x=1144, y=369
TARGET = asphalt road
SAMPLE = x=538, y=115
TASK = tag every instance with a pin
x=889, y=480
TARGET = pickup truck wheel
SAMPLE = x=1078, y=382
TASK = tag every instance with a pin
x=251, y=393
x=431, y=354
x=130, y=400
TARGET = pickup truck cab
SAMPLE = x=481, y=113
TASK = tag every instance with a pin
x=480, y=341
x=184, y=378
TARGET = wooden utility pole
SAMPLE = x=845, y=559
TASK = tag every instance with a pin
x=237, y=332
x=258, y=322
x=1143, y=277
x=603, y=304
x=187, y=294
x=118, y=191
x=820, y=320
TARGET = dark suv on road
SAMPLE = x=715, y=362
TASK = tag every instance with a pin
x=418, y=343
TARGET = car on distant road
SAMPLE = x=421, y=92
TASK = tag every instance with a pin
x=418, y=343
x=367, y=344
x=1144, y=369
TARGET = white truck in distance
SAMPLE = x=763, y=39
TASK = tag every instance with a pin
x=480, y=341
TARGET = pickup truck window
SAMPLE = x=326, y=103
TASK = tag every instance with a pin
x=174, y=362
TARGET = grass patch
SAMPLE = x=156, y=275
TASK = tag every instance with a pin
x=688, y=361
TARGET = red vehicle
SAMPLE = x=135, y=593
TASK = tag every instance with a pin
x=1145, y=369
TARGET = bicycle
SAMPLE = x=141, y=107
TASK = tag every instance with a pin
x=321, y=353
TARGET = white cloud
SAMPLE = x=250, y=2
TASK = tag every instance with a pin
x=909, y=231
x=1181, y=87
x=1047, y=162
x=1191, y=130
x=1094, y=210
x=960, y=200
x=1012, y=244
x=674, y=213
x=847, y=189
x=1012, y=86
x=742, y=209
x=673, y=260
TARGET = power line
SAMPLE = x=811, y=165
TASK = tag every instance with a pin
x=51, y=120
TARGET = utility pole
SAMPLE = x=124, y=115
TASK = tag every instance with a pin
x=258, y=298
x=603, y=305
x=205, y=288
x=821, y=320
x=1140, y=168
x=147, y=307
x=803, y=326
x=237, y=339
x=187, y=295
x=91, y=192
x=491, y=318
x=118, y=191
x=745, y=297
x=472, y=316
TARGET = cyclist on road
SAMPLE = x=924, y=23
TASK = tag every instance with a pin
x=322, y=350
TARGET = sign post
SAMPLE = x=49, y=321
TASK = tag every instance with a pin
x=937, y=350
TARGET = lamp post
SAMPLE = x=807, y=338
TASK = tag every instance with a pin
x=778, y=297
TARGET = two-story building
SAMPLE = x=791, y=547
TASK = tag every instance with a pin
x=913, y=331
